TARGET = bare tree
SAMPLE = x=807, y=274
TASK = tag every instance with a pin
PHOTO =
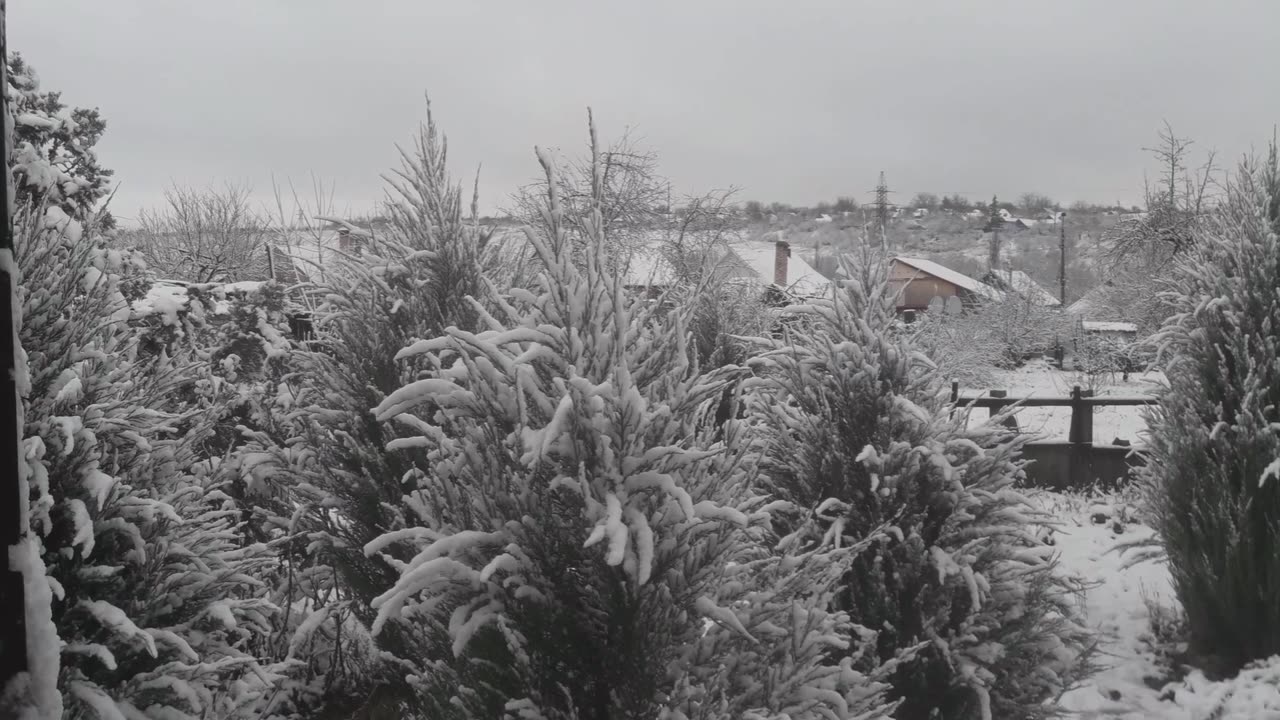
x=1176, y=204
x=696, y=243
x=203, y=235
x=636, y=198
x=1035, y=202
x=926, y=200
x=1143, y=248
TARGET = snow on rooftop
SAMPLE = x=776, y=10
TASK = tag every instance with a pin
x=1025, y=286
x=244, y=286
x=955, y=278
x=757, y=258
x=745, y=259
x=1108, y=326
x=647, y=267
x=1083, y=306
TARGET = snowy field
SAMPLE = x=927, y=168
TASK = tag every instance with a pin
x=1133, y=684
x=1040, y=379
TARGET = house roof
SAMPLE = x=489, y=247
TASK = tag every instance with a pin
x=1021, y=283
x=648, y=266
x=758, y=258
x=746, y=259
x=1108, y=326
x=1092, y=303
x=955, y=278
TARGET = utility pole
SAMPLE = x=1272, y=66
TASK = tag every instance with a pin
x=882, y=211
x=1062, y=258
x=994, y=221
x=13, y=631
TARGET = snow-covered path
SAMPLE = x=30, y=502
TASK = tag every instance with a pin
x=1129, y=685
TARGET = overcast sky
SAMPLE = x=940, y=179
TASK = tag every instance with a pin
x=790, y=101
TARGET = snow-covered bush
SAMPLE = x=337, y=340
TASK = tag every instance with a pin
x=52, y=157
x=1019, y=327
x=1211, y=481
x=959, y=347
x=857, y=436
x=316, y=442
x=577, y=544
x=153, y=599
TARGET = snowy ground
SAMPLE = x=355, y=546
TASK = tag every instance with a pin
x=1132, y=685
x=1039, y=379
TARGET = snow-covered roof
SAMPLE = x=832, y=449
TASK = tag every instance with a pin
x=1021, y=283
x=745, y=260
x=648, y=266
x=1108, y=326
x=244, y=286
x=1092, y=304
x=1083, y=306
x=758, y=258
x=955, y=278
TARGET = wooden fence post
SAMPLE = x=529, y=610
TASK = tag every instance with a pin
x=1086, y=417
x=1076, y=434
x=997, y=408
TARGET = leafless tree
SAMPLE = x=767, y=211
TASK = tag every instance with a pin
x=1031, y=203
x=697, y=242
x=1143, y=248
x=698, y=249
x=637, y=198
x=203, y=235
x=1176, y=204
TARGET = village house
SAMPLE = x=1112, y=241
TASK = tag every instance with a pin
x=1022, y=285
x=917, y=282
x=770, y=266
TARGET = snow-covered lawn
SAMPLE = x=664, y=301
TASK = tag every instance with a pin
x=1131, y=684
x=1040, y=379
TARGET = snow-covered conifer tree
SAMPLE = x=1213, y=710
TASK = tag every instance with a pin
x=154, y=601
x=857, y=436
x=1213, y=478
x=315, y=442
x=577, y=545
x=53, y=158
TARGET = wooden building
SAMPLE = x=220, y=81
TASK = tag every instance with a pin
x=917, y=282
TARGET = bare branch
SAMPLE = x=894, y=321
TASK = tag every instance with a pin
x=203, y=235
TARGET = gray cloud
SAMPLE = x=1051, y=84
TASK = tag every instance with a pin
x=796, y=101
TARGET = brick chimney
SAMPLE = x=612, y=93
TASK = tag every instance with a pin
x=782, y=251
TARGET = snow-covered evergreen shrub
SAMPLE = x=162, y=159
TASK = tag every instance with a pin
x=317, y=443
x=52, y=156
x=153, y=599
x=858, y=436
x=574, y=529
x=1211, y=481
